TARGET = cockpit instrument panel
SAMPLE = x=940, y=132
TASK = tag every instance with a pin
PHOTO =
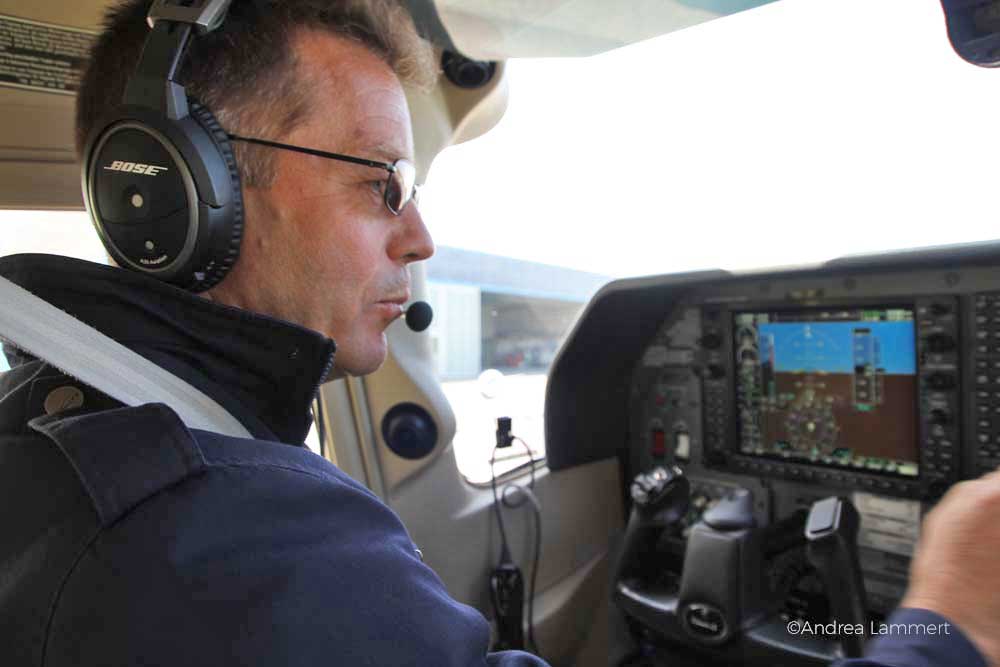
x=816, y=386
x=863, y=394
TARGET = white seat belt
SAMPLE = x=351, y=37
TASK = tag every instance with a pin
x=76, y=348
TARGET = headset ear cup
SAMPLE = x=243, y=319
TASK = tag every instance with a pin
x=204, y=117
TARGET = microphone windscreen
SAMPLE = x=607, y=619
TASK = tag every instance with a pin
x=419, y=315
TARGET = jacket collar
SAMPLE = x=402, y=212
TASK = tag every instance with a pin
x=264, y=371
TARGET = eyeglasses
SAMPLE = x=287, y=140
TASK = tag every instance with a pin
x=400, y=186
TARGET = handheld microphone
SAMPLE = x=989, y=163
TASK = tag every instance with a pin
x=419, y=315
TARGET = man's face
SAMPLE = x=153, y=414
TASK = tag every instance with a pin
x=321, y=249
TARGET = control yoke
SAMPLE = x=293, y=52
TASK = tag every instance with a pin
x=722, y=603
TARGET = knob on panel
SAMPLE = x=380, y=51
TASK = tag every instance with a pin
x=711, y=341
x=940, y=381
x=940, y=417
x=939, y=342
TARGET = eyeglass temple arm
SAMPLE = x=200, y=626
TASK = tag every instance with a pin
x=318, y=153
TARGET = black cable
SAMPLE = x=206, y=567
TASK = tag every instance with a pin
x=536, y=506
x=504, y=548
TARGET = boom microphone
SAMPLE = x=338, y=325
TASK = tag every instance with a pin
x=419, y=315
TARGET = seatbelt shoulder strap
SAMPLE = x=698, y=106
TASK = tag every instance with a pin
x=79, y=350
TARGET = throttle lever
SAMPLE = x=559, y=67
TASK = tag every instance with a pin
x=832, y=532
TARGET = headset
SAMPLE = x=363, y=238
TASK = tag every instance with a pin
x=159, y=178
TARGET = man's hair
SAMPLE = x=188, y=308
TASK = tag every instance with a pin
x=246, y=71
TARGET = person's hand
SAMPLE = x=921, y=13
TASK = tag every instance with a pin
x=956, y=569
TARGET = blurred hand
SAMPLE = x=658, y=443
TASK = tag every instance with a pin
x=956, y=568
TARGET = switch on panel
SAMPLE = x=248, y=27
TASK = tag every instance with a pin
x=682, y=445
x=659, y=443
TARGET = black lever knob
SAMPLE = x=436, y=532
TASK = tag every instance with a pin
x=660, y=499
x=662, y=488
x=832, y=533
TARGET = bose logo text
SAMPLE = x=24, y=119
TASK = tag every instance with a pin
x=135, y=168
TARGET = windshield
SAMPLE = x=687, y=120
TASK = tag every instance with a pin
x=792, y=133
x=795, y=132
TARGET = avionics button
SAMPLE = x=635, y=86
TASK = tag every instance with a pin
x=983, y=438
x=982, y=349
x=982, y=379
x=945, y=455
x=945, y=444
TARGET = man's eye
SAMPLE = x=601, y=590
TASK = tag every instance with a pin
x=377, y=186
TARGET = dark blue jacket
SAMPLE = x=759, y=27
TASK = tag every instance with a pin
x=129, y=539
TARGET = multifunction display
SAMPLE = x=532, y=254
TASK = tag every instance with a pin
x=834, y=387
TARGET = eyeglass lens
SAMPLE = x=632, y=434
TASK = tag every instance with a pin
x=400, y=186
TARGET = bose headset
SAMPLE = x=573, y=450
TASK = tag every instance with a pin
x=159, y=178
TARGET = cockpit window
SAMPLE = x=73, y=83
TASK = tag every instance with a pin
x=793, y=133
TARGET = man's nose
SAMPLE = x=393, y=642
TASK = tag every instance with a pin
x=415, y=243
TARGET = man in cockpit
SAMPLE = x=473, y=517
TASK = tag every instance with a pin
x=128, y=539
x=131, y=541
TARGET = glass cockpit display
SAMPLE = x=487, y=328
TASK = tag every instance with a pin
x=829, y=387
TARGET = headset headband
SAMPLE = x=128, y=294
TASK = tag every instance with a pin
x=153, y=85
